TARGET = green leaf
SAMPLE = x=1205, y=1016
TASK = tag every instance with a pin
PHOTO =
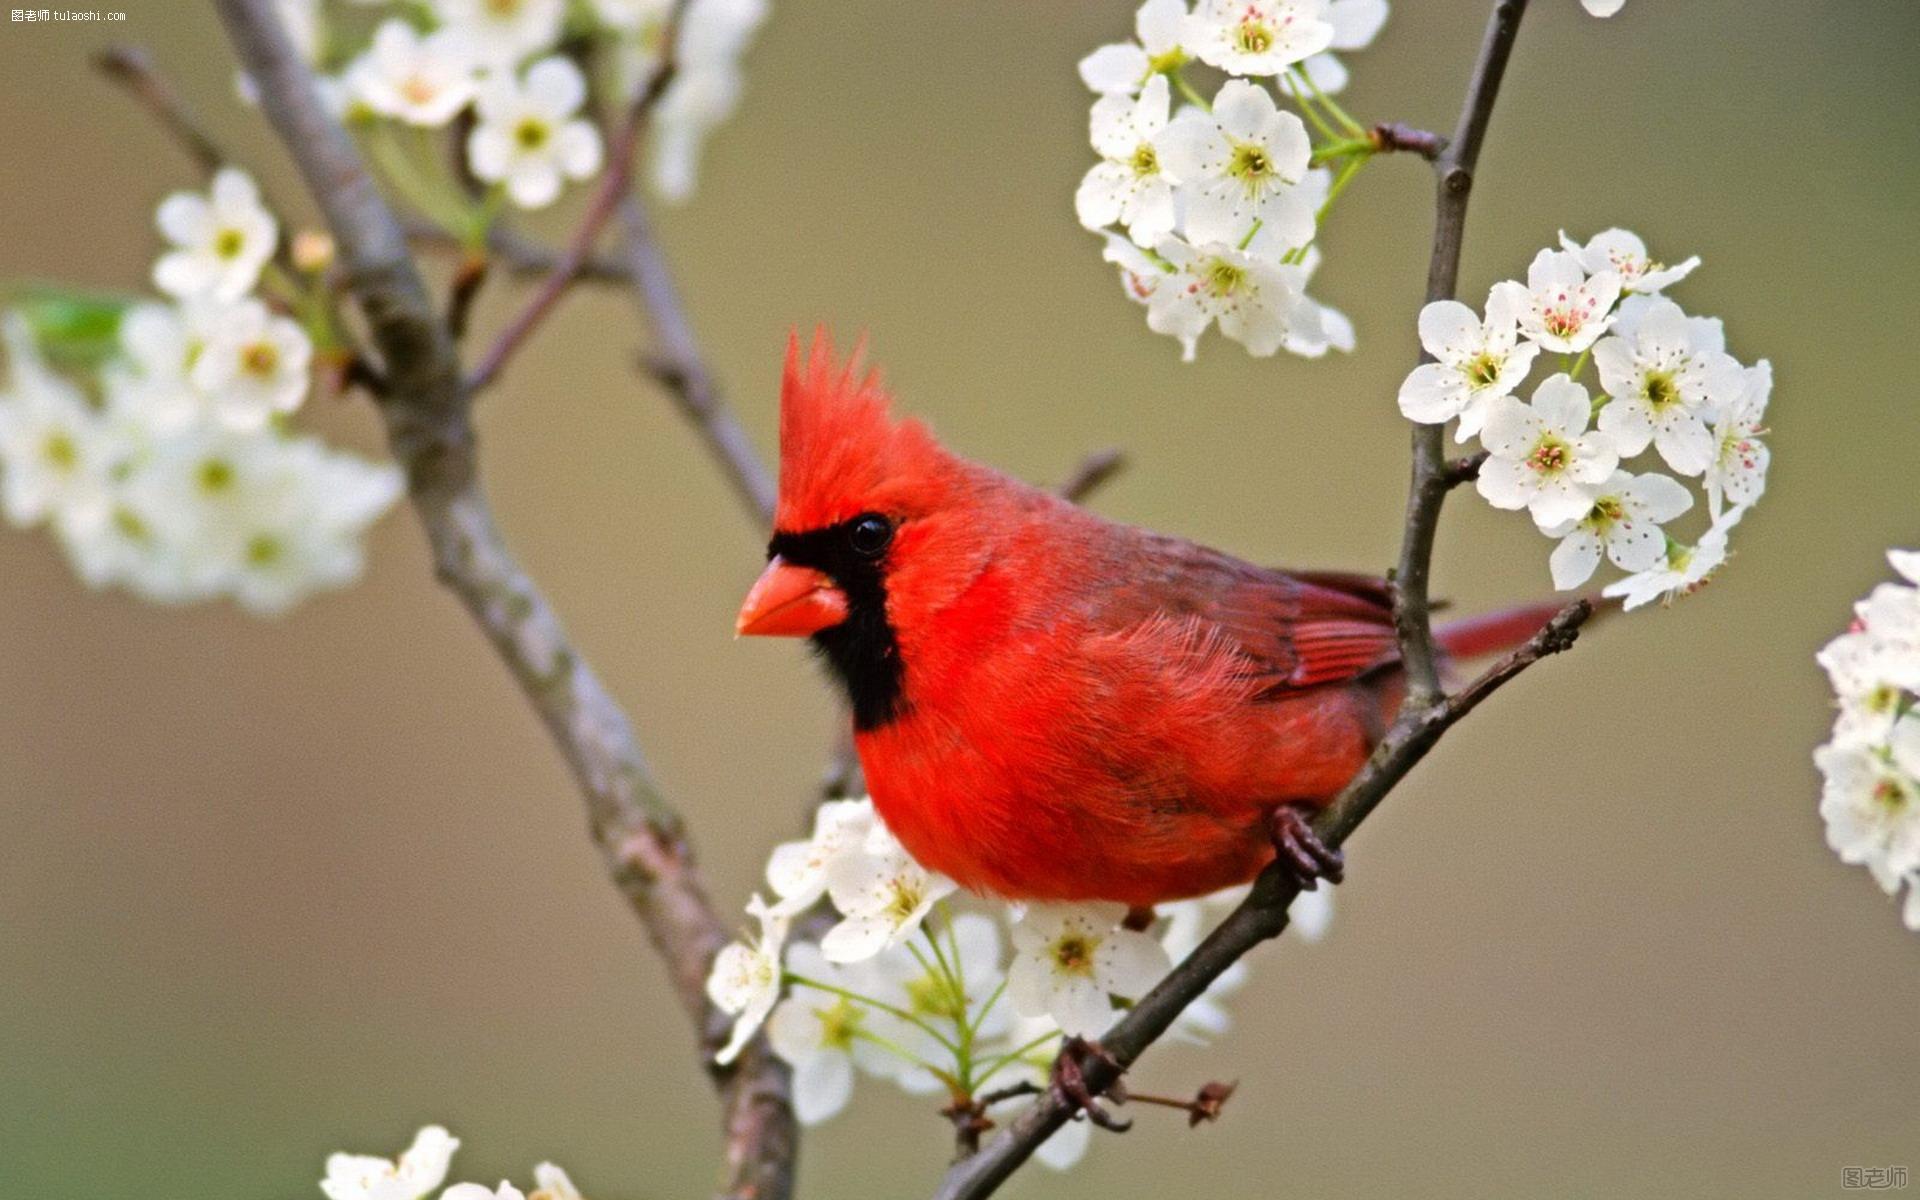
x=75, y=329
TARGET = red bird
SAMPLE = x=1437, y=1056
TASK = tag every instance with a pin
x=1053, y=706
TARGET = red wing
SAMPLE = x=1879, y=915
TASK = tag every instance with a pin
x=1295, y=630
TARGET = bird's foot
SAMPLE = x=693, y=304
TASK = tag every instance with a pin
x=1300, y=850
x=1068, y=1082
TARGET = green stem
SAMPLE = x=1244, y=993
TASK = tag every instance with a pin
x=1580, y=364
x=1343, y=148
x=1302, y=79
x=403, y=173
x=995, y=1066
x=882, y=1005
x=1181, y=85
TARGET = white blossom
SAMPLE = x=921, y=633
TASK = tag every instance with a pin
x=253, y=365
x=705, y=90
x=1316, y=327
x=1141, y=274
x=220, y=240
x=1738, y=471
x=1602, y=8
x=421, y=1168
x=503, y=33
x=160, y=343
x=1479, y=362
x=1070, y=958
x=1666, y=373
x=1623, y=524
x=1253, y=300
x=822, y=1034
x=745, y=980
x=1560, y=306
x=55, y=451
x=798, y=871
x=971, y=948
x=1124, y=67
x=552, y=1183
x=1683, y=570
x=529, y=136
x=1623, y=253
x=419, y=79
x=1257, y=37
x=1241, y=167
x=1355, y=24
x=1128, y=185
x=882, y=894
x=1541, y=457
x=1871, y=803
x=475, y=1191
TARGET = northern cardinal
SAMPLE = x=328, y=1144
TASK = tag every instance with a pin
x=1052, y=706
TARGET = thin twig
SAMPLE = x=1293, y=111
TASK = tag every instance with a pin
x=428, y=420
x=607, y=195
x=1465, y=470
x=133, y=69
x=1389, y=136
x=514, y=252
x=676, y=362
x=1423, y=717
x=1093, y=473
x=468, y=279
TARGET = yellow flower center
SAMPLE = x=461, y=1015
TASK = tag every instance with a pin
x=228, y=243
x=1549, y=455
x=1145, y=161
x=1252, y=37
x=1660, y=390
x=60, y=451
x=1223, y=278
x=260, y=358
x=531, y=134
x=215, y=476
x=1073, y=954
x=1250, y=163
x=1483, y=371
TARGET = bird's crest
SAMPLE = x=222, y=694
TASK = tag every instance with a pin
x=841, y=450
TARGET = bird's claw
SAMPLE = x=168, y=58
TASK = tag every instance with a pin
x=1300, y=850
x=1069, y=1082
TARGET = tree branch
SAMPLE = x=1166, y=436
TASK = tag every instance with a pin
x=676, y=362
x=614, y=181
x=1423, y=718
x=132, y=68
x=1093, y=473
x=514, y=252
x=427, y=416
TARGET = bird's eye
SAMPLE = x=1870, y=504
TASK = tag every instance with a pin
x=869, y=534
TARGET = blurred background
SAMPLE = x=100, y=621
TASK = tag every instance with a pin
x=271, y=889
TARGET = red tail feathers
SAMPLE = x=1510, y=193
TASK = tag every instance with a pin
x=1490, y=633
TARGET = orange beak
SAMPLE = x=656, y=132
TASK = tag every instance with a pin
x=790, y=601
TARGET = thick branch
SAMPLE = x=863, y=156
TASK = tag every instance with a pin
x=1426, y=714
x=608, y=192
x=426, y=413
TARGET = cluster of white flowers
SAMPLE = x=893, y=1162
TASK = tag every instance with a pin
x=1871, y=764
x=169, y=469
x=423, y=1167
x=1218, y=203
x=501, y=59
x=1666, y=383
x=905, y=989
